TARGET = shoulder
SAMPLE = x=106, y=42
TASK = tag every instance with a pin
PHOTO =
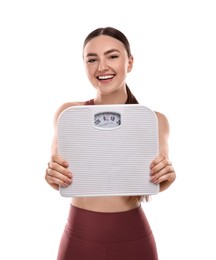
x=65, y=106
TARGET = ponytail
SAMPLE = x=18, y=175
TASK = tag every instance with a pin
x=130, y=97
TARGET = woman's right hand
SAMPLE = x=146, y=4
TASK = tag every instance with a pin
x=58, y=173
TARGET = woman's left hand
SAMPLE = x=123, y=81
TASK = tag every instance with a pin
x=162, y=172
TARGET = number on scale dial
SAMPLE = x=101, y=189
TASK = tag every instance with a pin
x=107, y=120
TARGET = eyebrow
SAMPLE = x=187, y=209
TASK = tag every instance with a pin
x=105, y=53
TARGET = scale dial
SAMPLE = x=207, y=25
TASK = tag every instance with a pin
x=107, y=120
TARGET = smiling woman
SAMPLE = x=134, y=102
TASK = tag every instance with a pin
x=110, y=227
x=109, y=65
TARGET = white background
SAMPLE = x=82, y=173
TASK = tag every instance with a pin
x=173, y=43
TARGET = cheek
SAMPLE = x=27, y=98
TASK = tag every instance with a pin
x=119, y=67
x=124, y=66
x=88, y=71
x=124, y=69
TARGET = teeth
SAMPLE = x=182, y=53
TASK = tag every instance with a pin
x=105, y=77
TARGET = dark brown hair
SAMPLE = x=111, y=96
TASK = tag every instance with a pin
x=112, y=32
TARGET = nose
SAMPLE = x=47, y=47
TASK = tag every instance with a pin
x=102, y=66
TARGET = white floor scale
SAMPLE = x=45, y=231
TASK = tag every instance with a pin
x=109, y=149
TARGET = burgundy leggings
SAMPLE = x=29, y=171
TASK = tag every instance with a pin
x=92, y=235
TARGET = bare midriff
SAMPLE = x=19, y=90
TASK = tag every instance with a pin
x=106, y=204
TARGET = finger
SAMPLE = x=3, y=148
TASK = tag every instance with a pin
x=163, y=174
x=158, y=164
x=157, y=160
x=58, y=159
x=57, y=182
x=58, y=168
x=169, y=177
x=57, y=178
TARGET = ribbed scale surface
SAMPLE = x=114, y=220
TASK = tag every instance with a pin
x=108, y=162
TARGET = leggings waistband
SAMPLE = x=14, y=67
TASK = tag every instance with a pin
x=107, y=227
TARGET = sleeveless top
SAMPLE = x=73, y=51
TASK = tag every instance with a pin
x=90, y=102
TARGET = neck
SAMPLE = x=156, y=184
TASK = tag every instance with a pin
x=113, y=98
x=125, y=97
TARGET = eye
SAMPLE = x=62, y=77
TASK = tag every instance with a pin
x=113, y=57
x=91, y=60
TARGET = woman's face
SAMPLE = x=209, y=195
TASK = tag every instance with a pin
x=107, y=63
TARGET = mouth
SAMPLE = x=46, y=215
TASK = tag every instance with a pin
x=105, y=77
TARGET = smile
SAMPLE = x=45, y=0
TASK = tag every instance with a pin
x=105, y=77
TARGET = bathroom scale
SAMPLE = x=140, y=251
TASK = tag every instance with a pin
x=109, y=149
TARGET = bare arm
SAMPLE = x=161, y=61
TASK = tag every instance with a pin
x=57, y=173
x=162, y=171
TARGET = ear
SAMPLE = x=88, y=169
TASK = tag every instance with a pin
x=130, y=63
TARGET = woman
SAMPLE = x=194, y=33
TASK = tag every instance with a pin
x=111, y=228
